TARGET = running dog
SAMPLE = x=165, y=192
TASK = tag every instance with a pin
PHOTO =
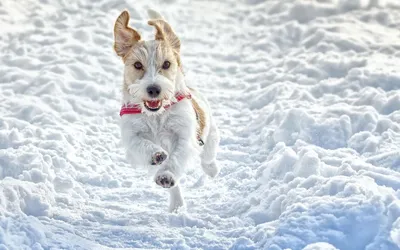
x=164, y=123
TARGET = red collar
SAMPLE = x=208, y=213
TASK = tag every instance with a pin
x=136, y=109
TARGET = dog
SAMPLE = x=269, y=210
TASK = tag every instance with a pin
x=164, y=123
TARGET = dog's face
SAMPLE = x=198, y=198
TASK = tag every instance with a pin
x=151, y=67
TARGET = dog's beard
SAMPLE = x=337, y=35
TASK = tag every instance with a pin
x=137, y=95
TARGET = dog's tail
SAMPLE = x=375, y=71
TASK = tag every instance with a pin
x=154, y=14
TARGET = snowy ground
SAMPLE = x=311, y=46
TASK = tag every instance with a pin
x=306, y=94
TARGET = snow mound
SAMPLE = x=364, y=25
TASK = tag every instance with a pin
x=320, y=246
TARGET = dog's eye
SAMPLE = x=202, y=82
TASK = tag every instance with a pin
x=138, y=65
x=166, y=65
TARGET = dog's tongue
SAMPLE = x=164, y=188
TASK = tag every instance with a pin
x=153, y=104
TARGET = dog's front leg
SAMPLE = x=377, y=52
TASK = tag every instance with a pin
x=140, y=150
x=172, y=169
x=145, y=152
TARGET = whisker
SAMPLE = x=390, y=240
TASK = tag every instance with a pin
x=136, y=92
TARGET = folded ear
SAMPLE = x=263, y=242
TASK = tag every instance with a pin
x=154, y=14
x=164, y=32
x=124, y=36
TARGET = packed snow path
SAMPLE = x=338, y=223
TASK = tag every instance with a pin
x=306, y=95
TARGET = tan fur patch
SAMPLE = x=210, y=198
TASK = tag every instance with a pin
x=124, y=36
x=142, y=52
x=131, y=75
x=201, y=118
x=165, y=33
x=152, y=55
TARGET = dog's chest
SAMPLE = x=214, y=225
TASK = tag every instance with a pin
x=158, y=127
x=162, y=132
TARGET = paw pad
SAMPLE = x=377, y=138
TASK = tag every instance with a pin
x=158, y=158
x=165, y=181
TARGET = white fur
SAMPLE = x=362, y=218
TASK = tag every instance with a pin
x=172, y=131
x=154, y=14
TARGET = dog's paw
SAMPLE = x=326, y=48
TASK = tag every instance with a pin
x=165, y=179
x=158, y=158
x=211, y=169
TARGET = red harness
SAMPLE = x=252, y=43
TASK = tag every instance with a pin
x=135, y=108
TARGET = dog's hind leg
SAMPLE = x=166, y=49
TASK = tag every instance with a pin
x=175, y=199
x=208, y=156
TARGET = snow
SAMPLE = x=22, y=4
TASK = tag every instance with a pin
x=306, y=95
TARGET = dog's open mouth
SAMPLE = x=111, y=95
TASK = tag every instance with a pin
x=153, y=105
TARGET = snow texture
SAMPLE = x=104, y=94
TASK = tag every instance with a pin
x=306, y=95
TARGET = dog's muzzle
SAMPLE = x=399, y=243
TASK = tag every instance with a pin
x=153, y=105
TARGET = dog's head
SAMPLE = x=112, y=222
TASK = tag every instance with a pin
x=151, y=67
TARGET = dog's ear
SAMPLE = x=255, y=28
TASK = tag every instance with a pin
x=124, y=36
x=164, y=32
x=154, y=14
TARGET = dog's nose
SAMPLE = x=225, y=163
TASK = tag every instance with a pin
x=153, y=90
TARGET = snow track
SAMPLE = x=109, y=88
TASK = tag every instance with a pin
x=306, y=95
